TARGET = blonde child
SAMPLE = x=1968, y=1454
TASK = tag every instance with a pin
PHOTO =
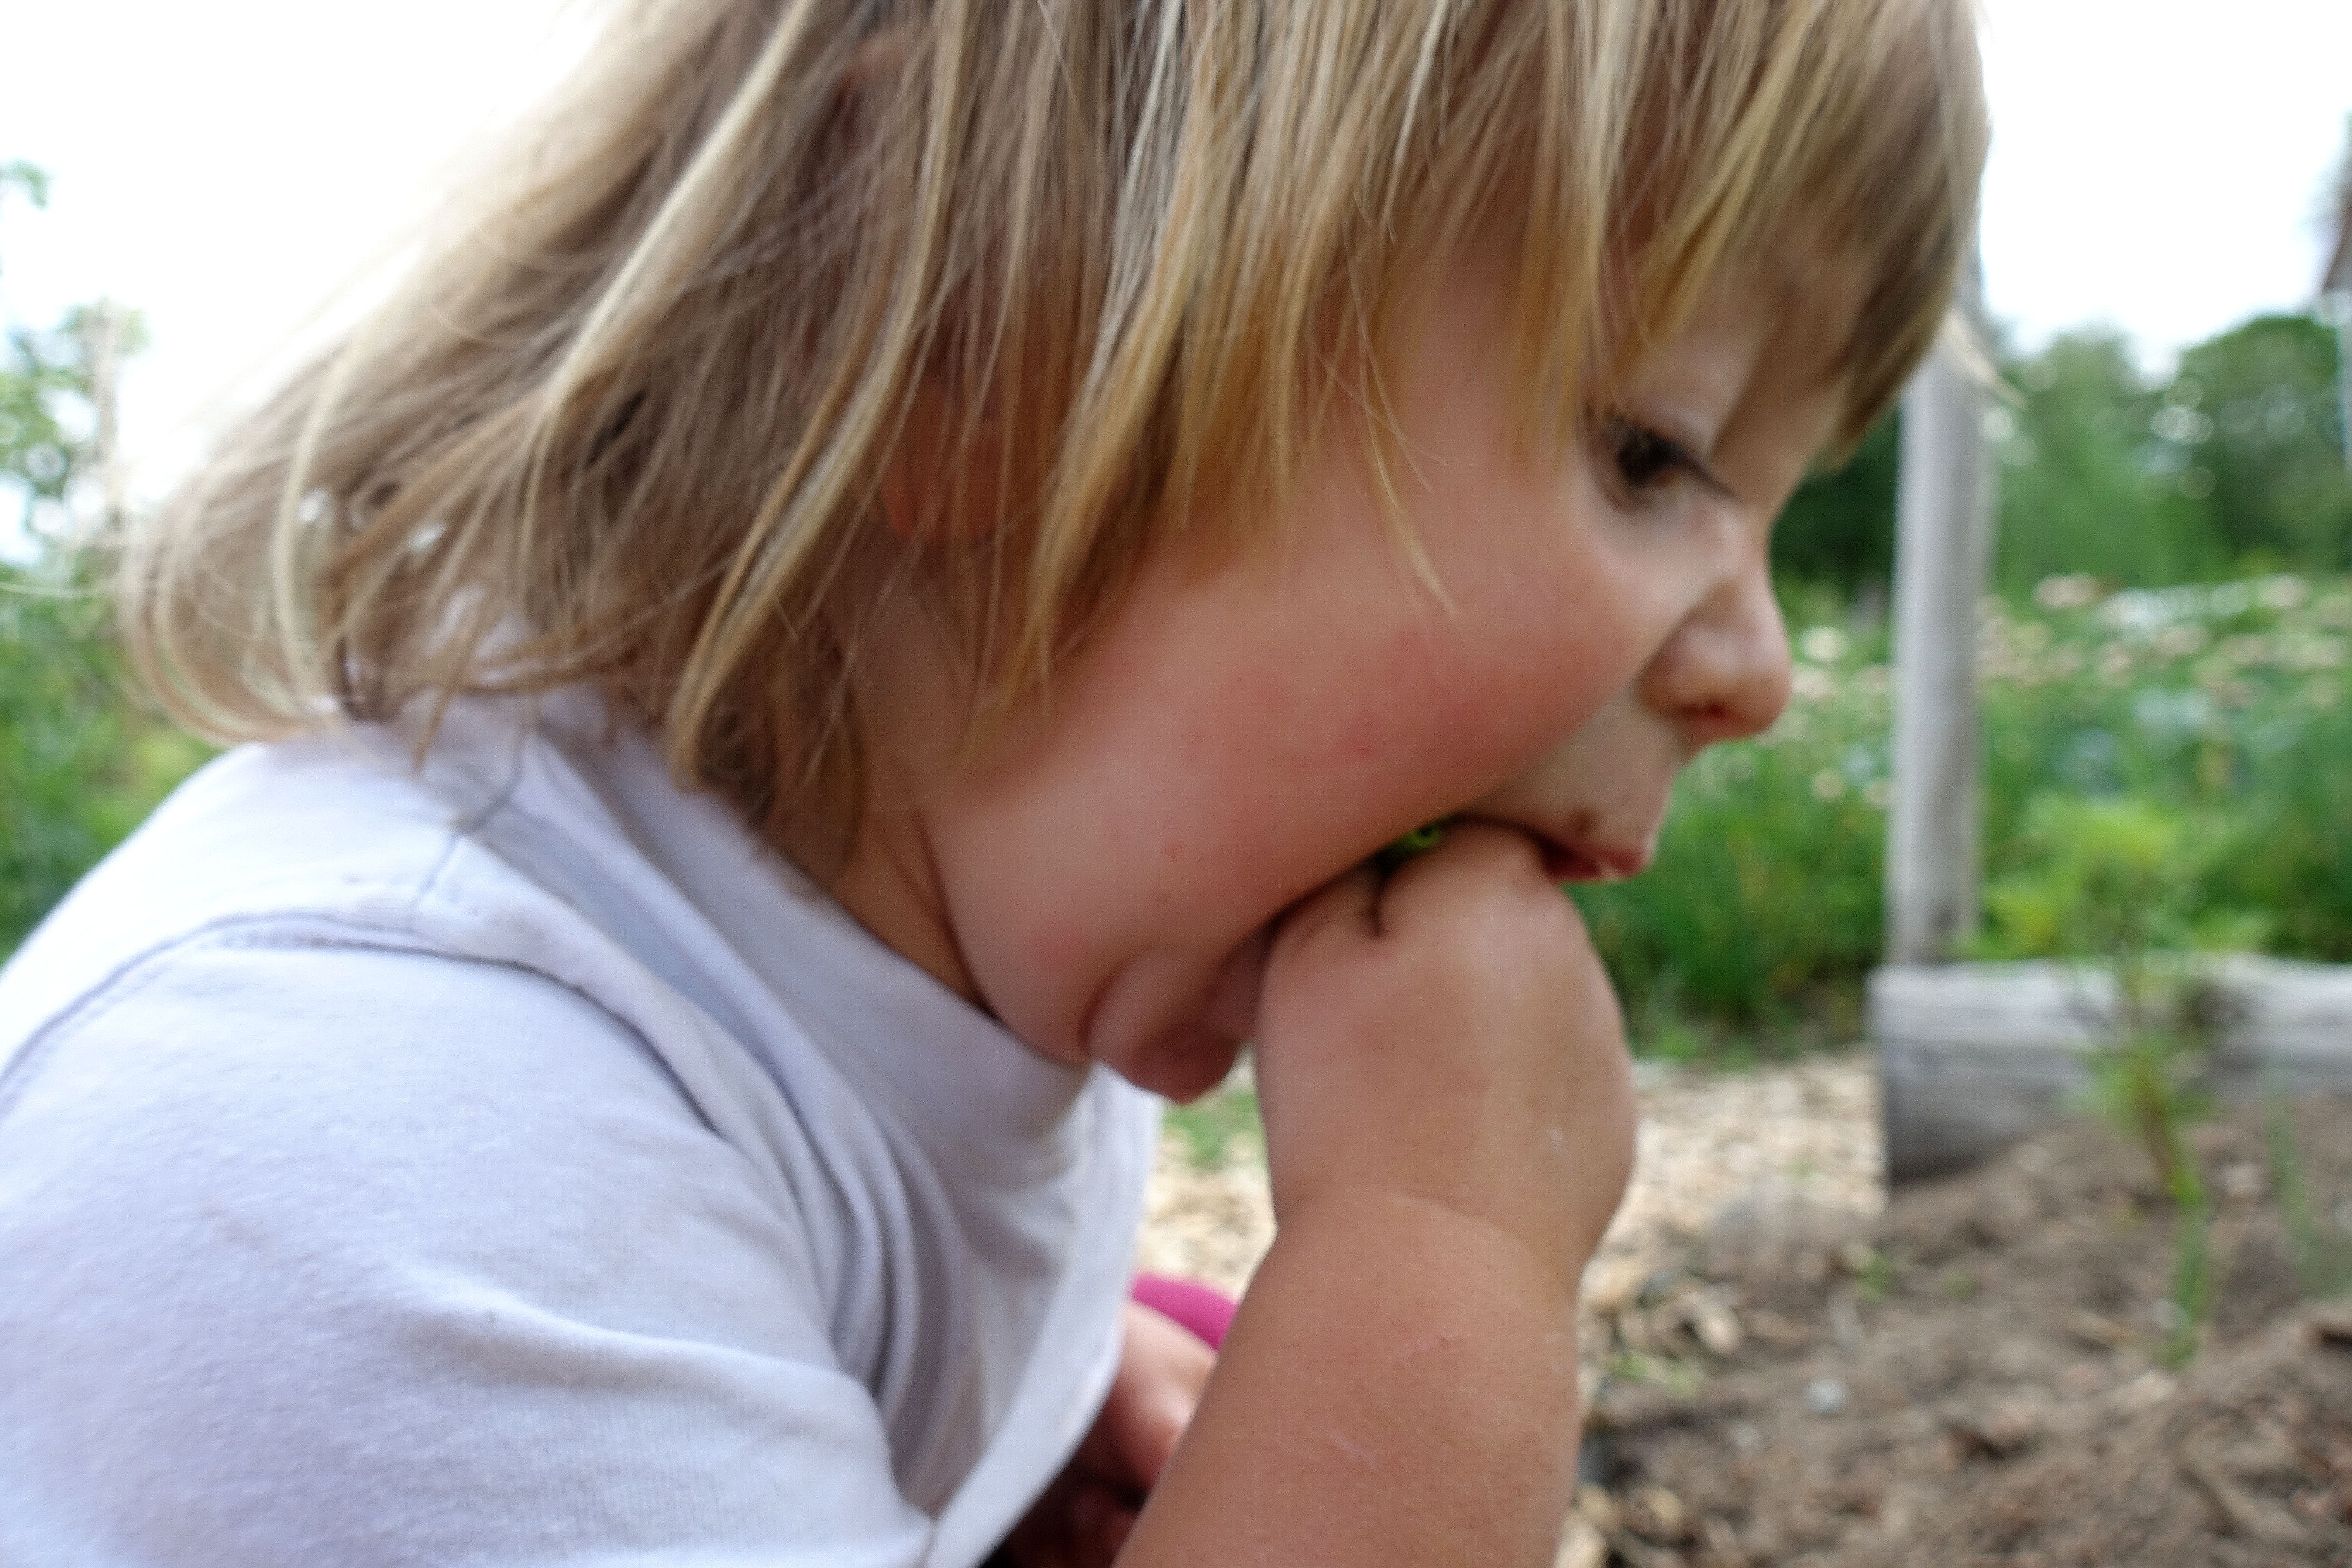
x=876, y=595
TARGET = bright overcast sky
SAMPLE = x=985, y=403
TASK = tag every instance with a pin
x=2159, y=164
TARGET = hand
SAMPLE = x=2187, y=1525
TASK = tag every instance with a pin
x=1449, y=1123
x=1448, y=1036
x=1083, y=1519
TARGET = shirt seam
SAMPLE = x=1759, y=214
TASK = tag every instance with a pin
x=131, y=976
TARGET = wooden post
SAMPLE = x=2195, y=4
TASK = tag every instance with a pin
x=2336, y=291
x=1943, y=553
x=2343, y=369
x=2343, y=313
x=102, y=331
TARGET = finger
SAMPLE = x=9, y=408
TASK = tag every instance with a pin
x=1344, y=907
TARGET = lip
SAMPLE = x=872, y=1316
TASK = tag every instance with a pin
x=1583, y=862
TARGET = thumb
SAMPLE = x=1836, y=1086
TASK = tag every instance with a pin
x=1342, y=909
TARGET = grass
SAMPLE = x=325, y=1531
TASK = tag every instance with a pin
x=1218, y=1127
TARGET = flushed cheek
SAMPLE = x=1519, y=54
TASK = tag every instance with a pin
x=1525, y=686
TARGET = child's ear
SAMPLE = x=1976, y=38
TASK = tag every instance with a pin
x=944, y=482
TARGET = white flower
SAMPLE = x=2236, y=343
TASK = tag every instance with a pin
x=1807, y=684
x=2244, y=650
x=2285, y=592
x=2180, y=642
x=2072, y=592
x=1823, y=645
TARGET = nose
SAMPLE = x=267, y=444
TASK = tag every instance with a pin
x=1724, y=673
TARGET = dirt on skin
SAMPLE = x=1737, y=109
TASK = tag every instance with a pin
x=1786, y=1370
x=1988, y=1370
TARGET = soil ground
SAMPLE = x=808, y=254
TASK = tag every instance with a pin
x=1991, y=1368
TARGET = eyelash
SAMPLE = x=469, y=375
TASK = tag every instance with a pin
x=1645, y=463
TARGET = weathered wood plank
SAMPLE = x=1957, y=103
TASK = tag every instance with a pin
x=1972, y=1055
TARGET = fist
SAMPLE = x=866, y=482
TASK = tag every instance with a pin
x=1448, y=1035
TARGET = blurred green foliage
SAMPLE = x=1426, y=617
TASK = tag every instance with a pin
x=2232, y=465
x=81, y=762
x=2174, y=758
x=1764, y=898
x=2116, y=878
x=2204, y=726
x=2254, y=420
x=40, y=374
x=2078, y=490
x=1839, y=528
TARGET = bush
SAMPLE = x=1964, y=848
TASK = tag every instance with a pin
x=2234, y=465
x=1765, y=901
x=80, y=762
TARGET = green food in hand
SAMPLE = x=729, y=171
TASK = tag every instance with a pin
x=1420, y=841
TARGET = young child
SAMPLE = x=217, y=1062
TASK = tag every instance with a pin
x=879, y=595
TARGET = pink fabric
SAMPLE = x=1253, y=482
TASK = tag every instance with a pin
x=1207, y=1312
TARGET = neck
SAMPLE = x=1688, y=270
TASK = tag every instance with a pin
x=891, y=885
x=909, y=726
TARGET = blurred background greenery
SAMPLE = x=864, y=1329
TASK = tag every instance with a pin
x=2164, y=662
x=82, y=759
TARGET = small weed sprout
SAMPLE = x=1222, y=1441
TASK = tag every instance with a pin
x=2115, y=880
x=2323, y=1262
x=1873, y=1275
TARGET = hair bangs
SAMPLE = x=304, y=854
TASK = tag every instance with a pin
x=1827, y=149
x=634, y=420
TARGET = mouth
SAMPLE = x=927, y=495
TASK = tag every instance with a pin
x=1583, y=856
x=1587, y=862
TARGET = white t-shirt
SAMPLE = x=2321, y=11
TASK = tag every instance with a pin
x=516, y=1164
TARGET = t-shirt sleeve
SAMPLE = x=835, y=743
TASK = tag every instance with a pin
x=361, y=1257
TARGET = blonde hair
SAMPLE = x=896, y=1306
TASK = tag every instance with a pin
x=627, y=423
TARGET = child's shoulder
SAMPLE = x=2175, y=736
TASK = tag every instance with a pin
x=471, y=1099
x=310, y=1200
x=296, y=906
x=315, y=933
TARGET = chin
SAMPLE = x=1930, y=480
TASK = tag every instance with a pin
x=1184, y=1065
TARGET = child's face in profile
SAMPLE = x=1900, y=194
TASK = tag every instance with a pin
x=1247, y=727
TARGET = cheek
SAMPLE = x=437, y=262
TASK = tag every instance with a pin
x=1536, y=644
x=1233, y=742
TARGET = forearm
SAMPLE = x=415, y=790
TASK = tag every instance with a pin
x=1399, y=1387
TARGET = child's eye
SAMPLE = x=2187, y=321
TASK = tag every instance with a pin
x=1644, y=462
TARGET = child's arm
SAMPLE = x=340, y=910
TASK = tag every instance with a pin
x=1449, y=1127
